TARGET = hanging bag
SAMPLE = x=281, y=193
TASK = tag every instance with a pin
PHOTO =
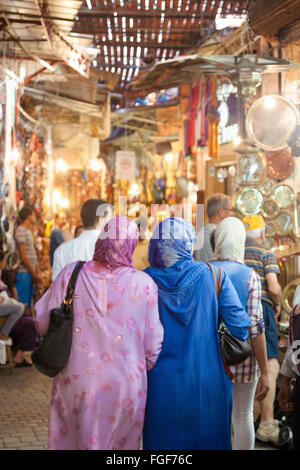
x=53, y=353
x=234, y=351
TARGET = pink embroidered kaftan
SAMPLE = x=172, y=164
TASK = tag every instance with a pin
x=98, y=400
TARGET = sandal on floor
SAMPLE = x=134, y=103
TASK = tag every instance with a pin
x=23, y=364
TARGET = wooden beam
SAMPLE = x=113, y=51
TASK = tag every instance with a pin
x=28, y=21
x=154, y=45
x=10, y=13
x=23, y=40
x=98, y=29
x=290, y=33
x=267, y=17
x=103, y=13
x=60, y=46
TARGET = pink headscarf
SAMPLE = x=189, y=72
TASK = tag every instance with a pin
x=116, y=243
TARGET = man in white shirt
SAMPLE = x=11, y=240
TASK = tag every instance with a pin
x=82, y=247
x=218, y=207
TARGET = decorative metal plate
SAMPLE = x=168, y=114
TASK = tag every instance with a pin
x=284, y=223
x=270, y=229
x=250, y=169
x=284, y=195
x=269, y=208
x=249, y=201
x=270, y=121
x=267, y=188
x=280, y=164
x=288, y=294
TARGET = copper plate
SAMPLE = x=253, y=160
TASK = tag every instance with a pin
x=280, y=164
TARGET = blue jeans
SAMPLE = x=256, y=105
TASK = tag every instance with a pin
x=271, y=330
x=24, y=286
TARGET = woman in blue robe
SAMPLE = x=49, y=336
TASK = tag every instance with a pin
x=189, y=400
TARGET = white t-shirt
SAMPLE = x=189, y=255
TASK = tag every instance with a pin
x=78, y=249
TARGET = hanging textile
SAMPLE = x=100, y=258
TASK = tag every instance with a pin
x=193, y=106
x=213, y=120
x=202, y=123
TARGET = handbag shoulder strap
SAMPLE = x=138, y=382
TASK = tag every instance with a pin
x=218, y=282
x=72, y=283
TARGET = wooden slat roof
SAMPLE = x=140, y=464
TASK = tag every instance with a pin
x=126, y=32
x=268, y=17
x=131, y=35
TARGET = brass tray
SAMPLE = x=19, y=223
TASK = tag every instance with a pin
x=271, y=229
x=267, y=188
x=284, y=223
x=288, y=294
x=249, y=201
x=270, y=121
x=269, y=208
x=284, y=195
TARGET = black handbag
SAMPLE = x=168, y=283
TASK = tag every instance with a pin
x=52, y=354
x=234, y=351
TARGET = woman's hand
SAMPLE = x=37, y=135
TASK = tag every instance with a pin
x=283, y=395
x=263, y=387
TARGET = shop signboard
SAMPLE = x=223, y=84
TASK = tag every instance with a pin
x=125, y=165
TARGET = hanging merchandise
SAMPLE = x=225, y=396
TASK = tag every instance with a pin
x=264, y=126
x=267, y=188
x=193, y=106
x=280, y=164
x=294, y=142
x=213, y=120
x=249, y=201
x=204, y=93
x=220, y=175
x=211, y=171
x=181, y=188
x=284, y=195
x=232, y=170
x=84, y=176
x=159, y=188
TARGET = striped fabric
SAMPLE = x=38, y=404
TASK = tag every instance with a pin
x=249, y=370
x=263, y=262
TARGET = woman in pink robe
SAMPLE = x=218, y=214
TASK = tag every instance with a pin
x=98, y=400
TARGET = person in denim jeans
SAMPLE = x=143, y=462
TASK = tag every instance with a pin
x=27, y=273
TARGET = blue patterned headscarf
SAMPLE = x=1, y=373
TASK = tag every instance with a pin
x=172, y=241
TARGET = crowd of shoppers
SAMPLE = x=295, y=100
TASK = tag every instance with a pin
x=145, y=343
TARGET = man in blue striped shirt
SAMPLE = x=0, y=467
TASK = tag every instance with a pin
x=265, y=264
